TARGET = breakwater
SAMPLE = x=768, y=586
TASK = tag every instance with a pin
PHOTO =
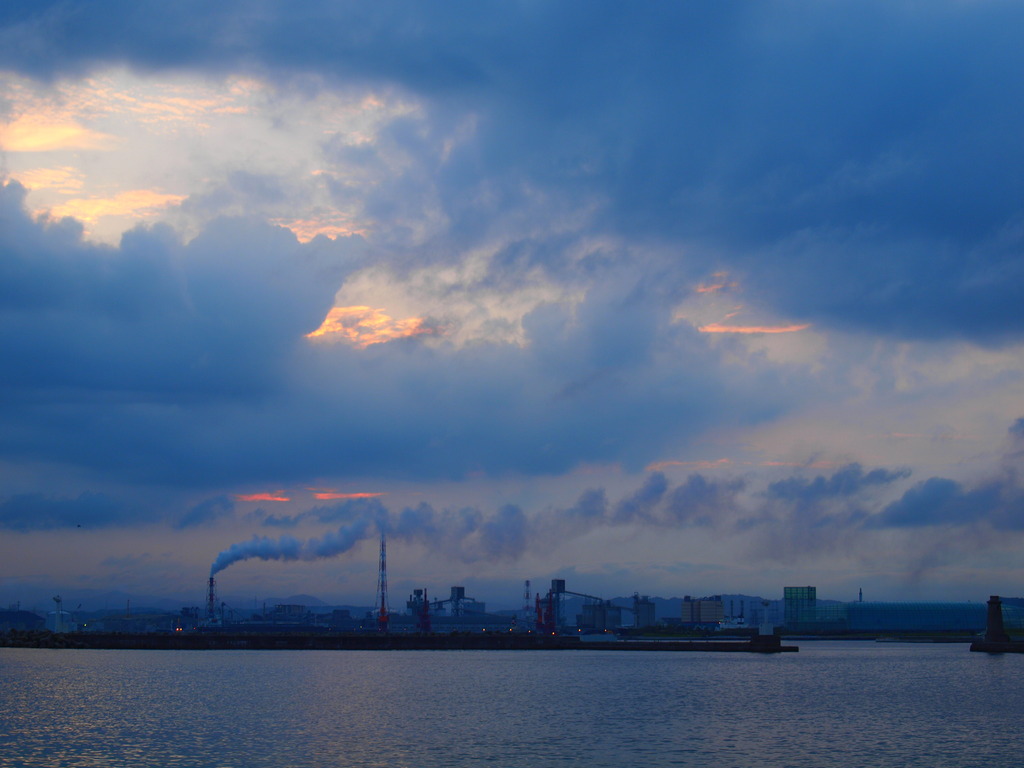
x=494, y=641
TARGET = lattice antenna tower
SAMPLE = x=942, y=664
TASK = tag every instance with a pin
x=382, y=586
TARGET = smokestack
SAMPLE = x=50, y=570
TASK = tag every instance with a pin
x=211, y=600
x=383, y=613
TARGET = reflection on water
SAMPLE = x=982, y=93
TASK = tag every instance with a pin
x=832, y=704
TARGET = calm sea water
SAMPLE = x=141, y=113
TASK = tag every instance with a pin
x=831, y=704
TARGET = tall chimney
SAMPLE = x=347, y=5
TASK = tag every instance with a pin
x=211, y=600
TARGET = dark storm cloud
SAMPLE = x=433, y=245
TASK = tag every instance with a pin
x=467, y=534
x=759, y=138
x=856, y=162
x=591, y=507
x=120, y=359
x=850, y=480
x=36, y=512
x=847, y=510
x=996, y=501
x=942, y=502
x=698, y=501
x=506, y=535
x=801, y=516
x=186, y=363
x=704, y=502
x=641, y=505
x=152, y=316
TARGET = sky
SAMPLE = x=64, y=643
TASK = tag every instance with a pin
x=678, y=298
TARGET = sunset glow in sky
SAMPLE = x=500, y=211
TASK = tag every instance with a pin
x=678, y=299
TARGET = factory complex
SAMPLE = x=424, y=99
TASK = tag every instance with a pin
x=557, y=610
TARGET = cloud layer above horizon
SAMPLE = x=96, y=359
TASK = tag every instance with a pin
x=757, y=267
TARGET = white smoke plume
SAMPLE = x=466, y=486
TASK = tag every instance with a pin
x=290, y=548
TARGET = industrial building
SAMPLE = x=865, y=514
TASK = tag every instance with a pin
x=643, y=611
x=747, y=611
x=59, y=620
x=456, y=613
x=804, y=613
x=445, y=624
x=601, y=616
x=596, y=613
x=704, y=611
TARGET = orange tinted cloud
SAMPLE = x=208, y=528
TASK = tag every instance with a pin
x=271, y=496
x=328, y=494
x=41, y=133
x=154, y=103
x=935, y=436
x=720, y=328
x=136, y=202
x=720, y=284
x=306, y=229
x=809, y=465
x=362, y=326
x=660, y=465
x=719, y=463
x=64, y=179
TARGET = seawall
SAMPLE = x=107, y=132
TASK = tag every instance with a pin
x=494, y=641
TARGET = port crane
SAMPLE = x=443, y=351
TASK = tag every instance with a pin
x=456, y=602
x=549, y=610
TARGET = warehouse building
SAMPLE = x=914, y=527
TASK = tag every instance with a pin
x=805, y=613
